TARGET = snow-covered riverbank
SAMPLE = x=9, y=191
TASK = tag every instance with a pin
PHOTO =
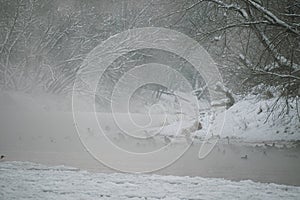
x=24, y=180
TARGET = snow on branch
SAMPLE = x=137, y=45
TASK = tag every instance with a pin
x=248, y=64
x=273, y=17
x=235, y=7
x=278, y=75
x=229, y=26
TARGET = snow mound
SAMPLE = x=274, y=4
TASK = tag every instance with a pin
x=262, y=120
x=250, y=120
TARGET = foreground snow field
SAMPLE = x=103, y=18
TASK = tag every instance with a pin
x=24, y=180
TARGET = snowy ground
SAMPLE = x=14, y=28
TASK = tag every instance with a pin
x=24, y=180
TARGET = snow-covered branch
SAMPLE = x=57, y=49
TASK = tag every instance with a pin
x=270, y=16
x=235, y=25
x=279, y=75
x=250, y=20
